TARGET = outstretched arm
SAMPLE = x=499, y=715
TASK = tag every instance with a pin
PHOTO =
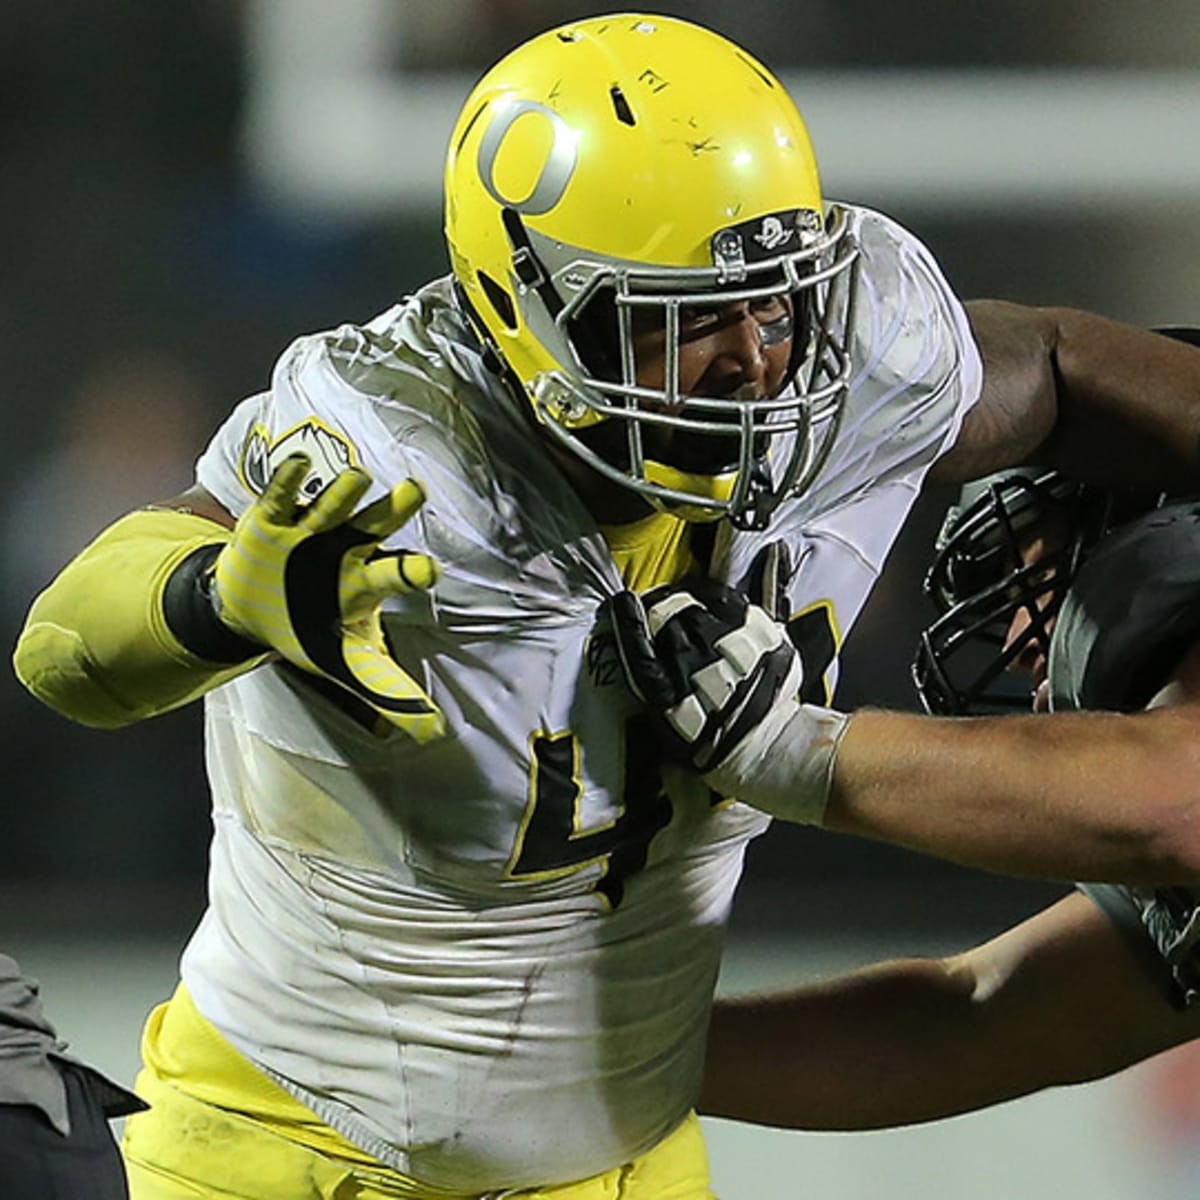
x=1118, y=795
x=1072, y=796
x=1058, y=999
x=1100, y=400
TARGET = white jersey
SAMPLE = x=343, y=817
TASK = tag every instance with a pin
x=489, y=960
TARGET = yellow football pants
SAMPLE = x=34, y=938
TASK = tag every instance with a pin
x=184, y=1149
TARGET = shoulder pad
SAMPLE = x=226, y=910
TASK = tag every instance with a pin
x=1132, y=610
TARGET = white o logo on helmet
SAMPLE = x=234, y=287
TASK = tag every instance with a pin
x=556, y=170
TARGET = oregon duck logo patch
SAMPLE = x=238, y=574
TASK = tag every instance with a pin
x=329, y=452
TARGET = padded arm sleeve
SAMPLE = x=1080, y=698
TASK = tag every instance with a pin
x=97, y=645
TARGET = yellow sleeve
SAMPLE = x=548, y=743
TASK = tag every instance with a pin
x=97, y=645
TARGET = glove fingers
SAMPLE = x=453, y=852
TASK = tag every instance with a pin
x=306, y=582
x=724, y=603
x=422, y=727
x=643, y=671
x=400, y=573
x=278, y=501
x=715, y=683
x=717, y=664
x=752, y=657
x=700, y=604
x=392, y=511
x=684, y=635
x=335, y=504
x=745, y=645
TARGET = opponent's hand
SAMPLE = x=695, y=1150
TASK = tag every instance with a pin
x=706, y=661
x=308, y=581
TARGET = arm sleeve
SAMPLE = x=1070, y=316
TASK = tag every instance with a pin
x=98, y=647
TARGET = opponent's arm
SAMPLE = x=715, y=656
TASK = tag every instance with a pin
x=1100, y=400
x=1071, y=795
x=1088, y=796
x=1120, y=794
x=1058, y=999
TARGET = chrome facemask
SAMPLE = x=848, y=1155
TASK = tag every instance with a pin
x=777, y=444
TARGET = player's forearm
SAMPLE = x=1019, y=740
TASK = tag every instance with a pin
x=1055, y=1000
x=98, y=646
x=1069, y=796
x=892, y=1044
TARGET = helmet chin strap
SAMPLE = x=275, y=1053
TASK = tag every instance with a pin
x=714, y=487
x=665, y=486
x=756, y=514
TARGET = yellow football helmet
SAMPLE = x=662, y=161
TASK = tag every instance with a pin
x=605, y=177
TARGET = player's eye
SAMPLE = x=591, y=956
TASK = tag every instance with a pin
x=693, y=317
x=769, y=309
x=1036, y=580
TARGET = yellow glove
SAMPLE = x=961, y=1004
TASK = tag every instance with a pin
x=308, y=581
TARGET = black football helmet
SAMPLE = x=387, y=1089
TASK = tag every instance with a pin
x=988, y=567
x=983, y=574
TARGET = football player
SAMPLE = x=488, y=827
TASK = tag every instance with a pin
x=464, y=919
x=1032, y=579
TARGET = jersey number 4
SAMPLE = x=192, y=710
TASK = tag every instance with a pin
x=552, y=843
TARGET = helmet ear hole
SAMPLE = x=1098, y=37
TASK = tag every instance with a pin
x=595, y=337
x=499, y=299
